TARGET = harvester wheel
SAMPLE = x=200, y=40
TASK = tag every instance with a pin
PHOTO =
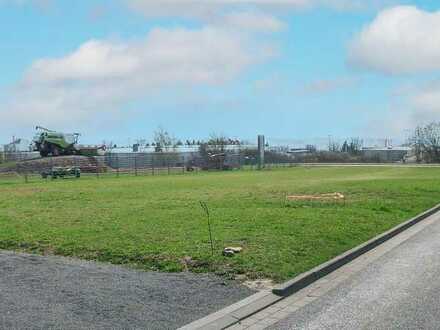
x=55, y=151
x=44, y=150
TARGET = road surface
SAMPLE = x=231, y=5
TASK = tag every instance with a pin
x=396, y=286
x=61, y=293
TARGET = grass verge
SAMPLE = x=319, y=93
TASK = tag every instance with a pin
x=156, y=223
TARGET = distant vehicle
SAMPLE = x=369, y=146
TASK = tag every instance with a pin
x=52, y=143
x=61, y=172
x=215, y=161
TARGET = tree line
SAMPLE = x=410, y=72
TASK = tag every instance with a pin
x=424, y=141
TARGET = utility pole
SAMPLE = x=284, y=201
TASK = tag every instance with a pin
x=261, y=146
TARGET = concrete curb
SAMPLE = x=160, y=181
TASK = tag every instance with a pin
x=235, y=312
x=259, y=301
x=302, y=280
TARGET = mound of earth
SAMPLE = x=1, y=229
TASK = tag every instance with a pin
x=86, y=164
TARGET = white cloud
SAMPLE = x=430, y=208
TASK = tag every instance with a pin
x=252, y=21
x=204, y=9
x=208, y=55
x=102, y=76
x=402, y=39
x=241, y=15
x=425, y=102
x=411, y=104
x=207, y=9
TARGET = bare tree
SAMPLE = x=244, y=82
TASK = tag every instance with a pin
x=213, y=152
x=356, y=145
x=334, y=146
x=218, y=142
x=426, y=142
x=352, y=146
x=162, y=140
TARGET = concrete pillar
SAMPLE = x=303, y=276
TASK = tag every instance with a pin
x=261, y=146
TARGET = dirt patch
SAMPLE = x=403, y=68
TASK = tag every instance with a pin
x=319, y=197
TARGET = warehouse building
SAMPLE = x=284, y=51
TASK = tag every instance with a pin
x=389, y=154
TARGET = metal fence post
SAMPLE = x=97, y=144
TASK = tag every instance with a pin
x=152, y=165
x=97, y=167
x=135, y=165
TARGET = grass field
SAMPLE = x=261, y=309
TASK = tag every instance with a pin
x=154, y=222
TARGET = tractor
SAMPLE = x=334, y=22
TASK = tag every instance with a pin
x=49, y=142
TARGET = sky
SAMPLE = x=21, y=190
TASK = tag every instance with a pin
x=289, y=69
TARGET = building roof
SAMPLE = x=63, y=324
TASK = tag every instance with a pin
x=386, y=149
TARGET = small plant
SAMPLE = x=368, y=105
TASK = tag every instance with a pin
x=206, y=209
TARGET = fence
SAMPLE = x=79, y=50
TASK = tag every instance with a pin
x=6, y=157
x=31, y=165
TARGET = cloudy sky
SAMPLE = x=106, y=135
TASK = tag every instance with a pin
x=285, y=68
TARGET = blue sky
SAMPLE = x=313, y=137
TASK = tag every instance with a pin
x=291, y=69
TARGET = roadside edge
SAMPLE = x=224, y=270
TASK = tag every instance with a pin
x=261, y=300
x=304, y=279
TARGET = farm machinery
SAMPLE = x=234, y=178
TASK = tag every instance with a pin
x=52, y=143
x=61, y=172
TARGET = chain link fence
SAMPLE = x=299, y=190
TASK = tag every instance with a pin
x=30, y=166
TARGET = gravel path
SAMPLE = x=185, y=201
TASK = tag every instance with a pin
x=60, y=293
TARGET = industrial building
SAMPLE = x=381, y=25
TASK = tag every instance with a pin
x=388, y=154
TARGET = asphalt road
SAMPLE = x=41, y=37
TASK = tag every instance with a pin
x=60, y=293
x=400, y=290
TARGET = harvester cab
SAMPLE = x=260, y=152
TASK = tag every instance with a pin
x=49, y=142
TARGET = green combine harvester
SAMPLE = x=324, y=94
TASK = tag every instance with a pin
x=52, y=143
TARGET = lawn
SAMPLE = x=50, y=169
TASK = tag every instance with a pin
x=155, y=223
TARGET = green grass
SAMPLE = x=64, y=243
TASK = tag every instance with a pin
x=153, y=222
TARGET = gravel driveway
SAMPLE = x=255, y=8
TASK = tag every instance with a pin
x=60, y=293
